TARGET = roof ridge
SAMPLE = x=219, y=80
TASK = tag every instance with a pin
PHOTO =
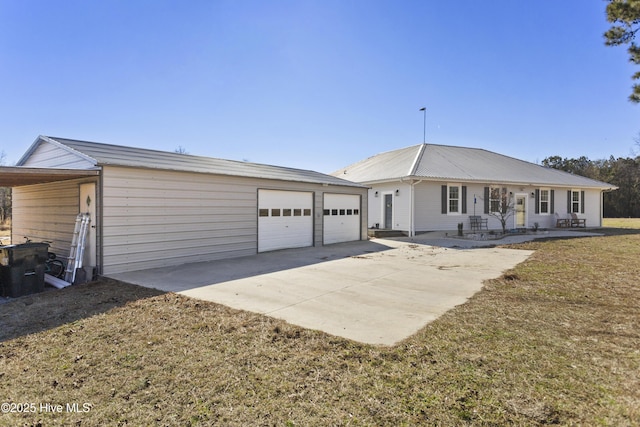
x=170, y=153
x=128, y=156
x=417, y=160
x=397, y=149
x=54, y=140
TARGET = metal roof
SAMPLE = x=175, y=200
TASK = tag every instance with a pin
x=116, y=155
x=382, y=167
x=450, y=163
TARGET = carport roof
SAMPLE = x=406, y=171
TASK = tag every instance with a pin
x=15, y=176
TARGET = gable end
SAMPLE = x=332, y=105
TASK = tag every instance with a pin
x=48, y=153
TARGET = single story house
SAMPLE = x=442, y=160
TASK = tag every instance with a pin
x=430, y=187
x=152, y=208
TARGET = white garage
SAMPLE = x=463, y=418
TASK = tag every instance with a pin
x=284, y=219
x=341, y=218
x=158, y=209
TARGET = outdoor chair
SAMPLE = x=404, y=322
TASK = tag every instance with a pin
x=562, y=222
x=478, y=223
x=578, y=222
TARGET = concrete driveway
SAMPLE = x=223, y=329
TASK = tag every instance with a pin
x=378, y=292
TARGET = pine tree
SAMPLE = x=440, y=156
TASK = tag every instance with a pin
x=625, y=15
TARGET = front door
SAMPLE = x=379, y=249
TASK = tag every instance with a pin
x=88, y=205
x=521, y=211
x=388, y=211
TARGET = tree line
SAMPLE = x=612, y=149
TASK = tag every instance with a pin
x=623, y=172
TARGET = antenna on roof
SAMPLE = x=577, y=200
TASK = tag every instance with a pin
x=424, y=132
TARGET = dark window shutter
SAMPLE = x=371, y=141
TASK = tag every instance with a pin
x=445, y=208
x=568, y=201
x=464, y=199
x=486, y=200
x=552, y=197
x=505, y=200
x=537, y=200
x=582, y=202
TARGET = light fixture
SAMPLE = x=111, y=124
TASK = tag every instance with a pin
x=376, y=194
x=397, y=192
x=533, y=194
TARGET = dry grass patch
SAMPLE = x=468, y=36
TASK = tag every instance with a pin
x=621, y=222
x=554, y=341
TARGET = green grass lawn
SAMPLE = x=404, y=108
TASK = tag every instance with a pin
x=553, y=342
x=621, y=222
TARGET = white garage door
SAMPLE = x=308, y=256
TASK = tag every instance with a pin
x=284, y=219
x=341, y=218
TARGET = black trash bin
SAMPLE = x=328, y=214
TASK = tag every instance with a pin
x=22, y=268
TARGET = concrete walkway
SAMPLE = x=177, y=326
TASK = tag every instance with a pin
x=483, y=240
x=378, y=292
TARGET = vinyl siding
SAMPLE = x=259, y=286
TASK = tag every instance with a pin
x=543, y=220
x=591, y=203
x=430, y=218
x=154, y=218
x=47, y=155
x=401, y=205
x=47, y=212
x=428, y=207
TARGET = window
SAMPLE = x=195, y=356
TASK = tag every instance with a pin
x=544, y=202
x=307, y=212
x=275, y=212
x=341, y=211
x=326, y=212
x=576, y=201
x=356, y=211
x=263, y=212
x=454, y=199
x=495, y=199
x=286, y=212
x=349, y=211
x=298, y=212
x=334, y=212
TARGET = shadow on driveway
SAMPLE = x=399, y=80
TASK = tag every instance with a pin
x=194, y=275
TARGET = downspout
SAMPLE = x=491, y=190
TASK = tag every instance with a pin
x=601, y=206
x=100, y=222
x=606, y=190
x=412, y=225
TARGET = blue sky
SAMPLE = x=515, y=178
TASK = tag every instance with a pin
x=316, y=84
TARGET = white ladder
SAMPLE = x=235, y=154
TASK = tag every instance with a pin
x=76, y=254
